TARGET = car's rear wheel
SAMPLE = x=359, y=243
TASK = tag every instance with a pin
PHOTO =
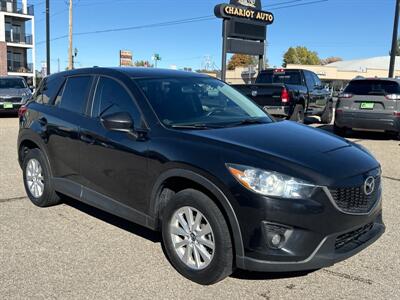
x=298, y=114
x=37, y=179
x=196, y=237
x=327, y=115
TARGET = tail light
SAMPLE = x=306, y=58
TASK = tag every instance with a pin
x=285, y=97
x=393, y=97
x=397, y=113
x=345, y=96
x=22, y=110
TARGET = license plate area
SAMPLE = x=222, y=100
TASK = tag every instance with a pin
x=367, y=105
x=8, y=105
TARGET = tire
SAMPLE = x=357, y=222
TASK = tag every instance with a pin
x=220, y=263
x=44, y=194
x=340, y=131
x=327, y=115
x=298, y=114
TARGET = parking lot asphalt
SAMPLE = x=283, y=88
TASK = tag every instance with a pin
x=73, y=251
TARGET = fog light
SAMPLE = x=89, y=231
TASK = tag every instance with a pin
x=276, y=235
x=276, y=239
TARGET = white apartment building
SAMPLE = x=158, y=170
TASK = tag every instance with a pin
x=17, y=39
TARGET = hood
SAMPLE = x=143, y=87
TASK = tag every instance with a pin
x=297, y=145
x=12, y=92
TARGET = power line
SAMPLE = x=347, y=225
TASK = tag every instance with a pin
x=174, y=22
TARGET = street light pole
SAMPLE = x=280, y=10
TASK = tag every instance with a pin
x=48, y=37
x=394, y=40
x=70, y=50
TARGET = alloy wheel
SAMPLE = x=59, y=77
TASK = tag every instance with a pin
x=34, y=178
x=192, y=238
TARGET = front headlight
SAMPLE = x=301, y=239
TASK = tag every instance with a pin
x=270, y=183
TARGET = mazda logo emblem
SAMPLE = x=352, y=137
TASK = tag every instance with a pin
x=369, y=185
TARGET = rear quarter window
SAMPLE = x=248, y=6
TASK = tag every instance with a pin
x=48, y=90
x=372, y=87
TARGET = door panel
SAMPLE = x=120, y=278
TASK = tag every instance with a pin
x=114, y=163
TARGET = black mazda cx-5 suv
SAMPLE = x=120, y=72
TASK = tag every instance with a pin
x=190, y=156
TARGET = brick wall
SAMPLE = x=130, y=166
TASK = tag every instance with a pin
x=3, y=58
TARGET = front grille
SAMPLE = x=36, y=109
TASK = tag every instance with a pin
x=11, y=100
x=348, y=237
x=353, y=200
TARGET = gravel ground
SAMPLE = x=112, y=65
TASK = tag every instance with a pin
x=73, y=251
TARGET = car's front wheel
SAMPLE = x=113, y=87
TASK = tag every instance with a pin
x=37, y=179
x=196, y=237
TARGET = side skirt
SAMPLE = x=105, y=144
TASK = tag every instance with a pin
x=100, y=201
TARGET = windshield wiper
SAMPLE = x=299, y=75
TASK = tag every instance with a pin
x=250, y=121
x=190, y=126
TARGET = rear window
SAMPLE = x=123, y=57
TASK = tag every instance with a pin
x=372, y=87
x=74, y=94
x=286, y=77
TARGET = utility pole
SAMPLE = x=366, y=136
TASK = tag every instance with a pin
x=394, y=40
x=48, y=36
x=58, y=63
x=70, y=58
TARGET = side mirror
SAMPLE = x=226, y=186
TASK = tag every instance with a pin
x=120, y=121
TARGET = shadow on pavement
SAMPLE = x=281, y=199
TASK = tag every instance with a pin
x=123, y=224
x=248, y=275
x=8, y=115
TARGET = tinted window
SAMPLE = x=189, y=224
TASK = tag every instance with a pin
x=372, y=87
x=184, y=101
x=12, y=83
x=309, y=79
x=286, y=77
x=75, y=93
x=317, y=81
x=48, y=90
x=112, y=97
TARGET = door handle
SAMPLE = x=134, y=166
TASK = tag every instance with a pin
x=87, y=139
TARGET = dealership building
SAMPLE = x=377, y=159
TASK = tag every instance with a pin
x=17, y=39
x=337, y=74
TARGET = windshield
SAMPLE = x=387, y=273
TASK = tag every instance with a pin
x=284, y=76
x=199, y=101
x=12, y=83
x=372, y=87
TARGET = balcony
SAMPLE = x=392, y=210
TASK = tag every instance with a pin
x=19, y=67
x=18, y=38
x=15, y=7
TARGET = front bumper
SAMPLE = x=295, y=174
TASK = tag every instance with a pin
x=318, y=233
x=324, y=255
x=367, y=121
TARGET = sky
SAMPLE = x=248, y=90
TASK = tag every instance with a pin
x=349, y=29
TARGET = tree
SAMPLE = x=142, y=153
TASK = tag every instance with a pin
x=301, y=56
x=143, y=63
x=240, y=60
x=330, y=60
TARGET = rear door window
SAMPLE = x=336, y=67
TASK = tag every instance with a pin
x=309, y=80
x=74, y=94
x=372, y=87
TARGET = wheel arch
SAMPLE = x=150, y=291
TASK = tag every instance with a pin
x=190, y=179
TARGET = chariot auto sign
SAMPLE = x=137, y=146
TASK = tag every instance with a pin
x=247, y=10
x=244, y=29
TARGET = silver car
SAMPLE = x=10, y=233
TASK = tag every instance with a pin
x=14, y=92
x=369, y=104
